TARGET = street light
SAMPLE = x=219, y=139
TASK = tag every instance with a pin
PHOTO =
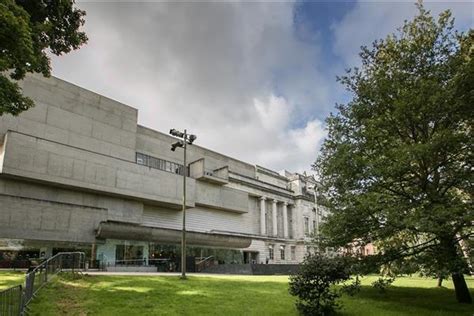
x=185, y=140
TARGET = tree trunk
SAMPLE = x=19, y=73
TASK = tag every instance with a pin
x=460, y=286
x=440, y=281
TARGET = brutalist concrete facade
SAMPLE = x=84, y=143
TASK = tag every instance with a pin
x=77, y=170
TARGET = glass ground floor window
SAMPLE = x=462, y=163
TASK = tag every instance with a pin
x=129, y=254
x=162, y=251
x=167, y=256
x=28, y=255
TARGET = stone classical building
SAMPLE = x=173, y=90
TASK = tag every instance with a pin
x=78, y=172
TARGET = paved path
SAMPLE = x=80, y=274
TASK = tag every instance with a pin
x=156, y=273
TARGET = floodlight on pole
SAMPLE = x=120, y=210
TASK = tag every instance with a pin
x=186, y=139
x=191, y=139
x=175, y=145
x=176, y=133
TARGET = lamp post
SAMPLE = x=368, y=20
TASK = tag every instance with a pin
x=186, y=139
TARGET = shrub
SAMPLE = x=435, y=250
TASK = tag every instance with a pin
x=312, y=284
x=353, y=288
x=381, y=284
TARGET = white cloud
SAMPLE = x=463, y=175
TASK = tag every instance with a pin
x=233, y=73
x=371, y=20
x=273, y=114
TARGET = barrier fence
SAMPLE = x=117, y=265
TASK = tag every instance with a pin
x=14, y=301
x=11, y=301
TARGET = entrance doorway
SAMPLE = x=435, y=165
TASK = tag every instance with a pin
x=250, y=257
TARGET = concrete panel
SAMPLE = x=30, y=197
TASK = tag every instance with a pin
x=30, y=127
x=37, y=113
x=219, y=197
x=68, y=166
x=56, y=134
x=69, y=121
x=199, y=218
x=25, y=218
x=7, y=122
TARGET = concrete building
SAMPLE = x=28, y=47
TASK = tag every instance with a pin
x=78, y=172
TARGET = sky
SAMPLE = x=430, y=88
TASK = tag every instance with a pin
x=253, y=80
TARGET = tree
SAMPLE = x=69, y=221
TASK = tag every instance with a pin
x=29, y=29
x=396, y=167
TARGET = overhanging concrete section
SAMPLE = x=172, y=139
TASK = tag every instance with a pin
x=115, y=230
x=37, y=159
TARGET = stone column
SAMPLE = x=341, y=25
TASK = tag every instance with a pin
x=285, y=220
x=274, y=218
x=263, y=230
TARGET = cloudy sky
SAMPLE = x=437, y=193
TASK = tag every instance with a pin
x=254, y=80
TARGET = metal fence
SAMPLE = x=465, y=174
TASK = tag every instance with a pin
x=11, y=301
x=14, y=301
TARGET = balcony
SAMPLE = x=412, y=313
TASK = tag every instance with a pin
x=198, y=171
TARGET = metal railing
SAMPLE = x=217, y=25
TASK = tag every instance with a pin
x=14, y=301
x=11, y=301
x=204, y=263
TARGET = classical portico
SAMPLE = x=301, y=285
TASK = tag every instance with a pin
x=274, y=218
x=263, y=228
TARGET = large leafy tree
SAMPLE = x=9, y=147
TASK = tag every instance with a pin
x=397, y=165
x=29, y=29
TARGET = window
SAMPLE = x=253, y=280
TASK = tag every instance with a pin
x=293, y=252
x=314, y=226
x=140, y=159
x=270, y=252
x=129, y=254
x=282, y=252
x=158, y=163
x=306, y=226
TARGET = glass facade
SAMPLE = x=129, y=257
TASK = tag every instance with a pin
x=166, y=257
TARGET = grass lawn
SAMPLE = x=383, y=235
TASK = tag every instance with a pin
x=231, y=295
x=11, y=278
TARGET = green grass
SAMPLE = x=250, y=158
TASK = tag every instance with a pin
x=231, y=295
x=11, y=278
x=407, y=296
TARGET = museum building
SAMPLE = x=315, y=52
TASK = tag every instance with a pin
x=78, y=173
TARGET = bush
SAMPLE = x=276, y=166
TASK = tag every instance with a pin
x=381, y=284
x=351, y=289
x=312, y=284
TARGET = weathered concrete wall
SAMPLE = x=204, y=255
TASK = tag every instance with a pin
x=26, y=218
x=43, y=160
x=221, y=197
x=197, y=219
x=77, y=117
x=158, y=144
x=93, y=208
